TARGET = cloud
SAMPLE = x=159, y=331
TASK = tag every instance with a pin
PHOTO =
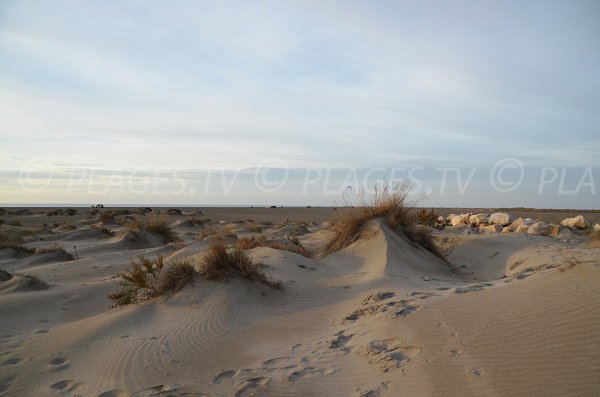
x=228, y=84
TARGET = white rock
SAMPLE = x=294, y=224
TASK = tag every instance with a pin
x=460, y=219
x=579, y=222
x=501, y=218
x=478, y=219
x=522, y=229
x=597, y=227
x=521, y=221
x=539, y=228
x=491, y=229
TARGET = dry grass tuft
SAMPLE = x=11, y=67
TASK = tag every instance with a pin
x=222, y=264
x=146, y=279
x=56, y=248
x=427, y=218
x=220, y=232
x=294, y=245
x=156, y=226
x=103, y=229
x=388, y=203
x=107, y=217
x=254, y=227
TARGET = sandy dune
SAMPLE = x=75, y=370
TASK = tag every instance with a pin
x=506, y=315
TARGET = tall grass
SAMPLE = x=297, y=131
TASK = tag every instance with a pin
x=156, y=226
x=147, y=278
x=390, y=203
x=222, y=264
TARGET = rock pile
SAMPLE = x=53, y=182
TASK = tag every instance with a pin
x=502, y=222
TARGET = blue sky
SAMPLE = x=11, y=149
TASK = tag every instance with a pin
x=193, y=85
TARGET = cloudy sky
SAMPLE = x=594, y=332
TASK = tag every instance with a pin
x=198, y=85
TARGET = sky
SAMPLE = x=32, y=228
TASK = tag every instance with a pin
x=99, y=96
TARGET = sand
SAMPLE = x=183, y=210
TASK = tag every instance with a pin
x=508, y=315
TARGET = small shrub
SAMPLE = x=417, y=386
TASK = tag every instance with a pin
x=146, y=279
x=69, y=228
x=221, y=264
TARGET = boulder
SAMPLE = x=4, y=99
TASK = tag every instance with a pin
x=559, y=231
x=440, y=223
x=597, y=227
x=578, y=222
x=491, y=229
x=539, y=228
x=505, y=229
x=522, y=229
x=521, y=221
x=501, y=218
x=460, y=219
x=479, y=219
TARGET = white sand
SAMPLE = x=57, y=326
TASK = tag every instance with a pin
x=379, y=318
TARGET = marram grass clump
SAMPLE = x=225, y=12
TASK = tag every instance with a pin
x=388, y=203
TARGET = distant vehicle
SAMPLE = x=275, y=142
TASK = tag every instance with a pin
x=273, y=206
x=98, y=206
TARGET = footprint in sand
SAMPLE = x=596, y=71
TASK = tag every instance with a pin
x=5, y=383
x=475, y=372
x=310, y=372
x=223, y=376
x=65, y=385
x=12, y=361
x=406, y=310
x=113, y=393
x=59, y=363
x=250, y=387
x=159, y=390
x=339, y=341
x=378, y=297
x=473, y=288
x=388, y=354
